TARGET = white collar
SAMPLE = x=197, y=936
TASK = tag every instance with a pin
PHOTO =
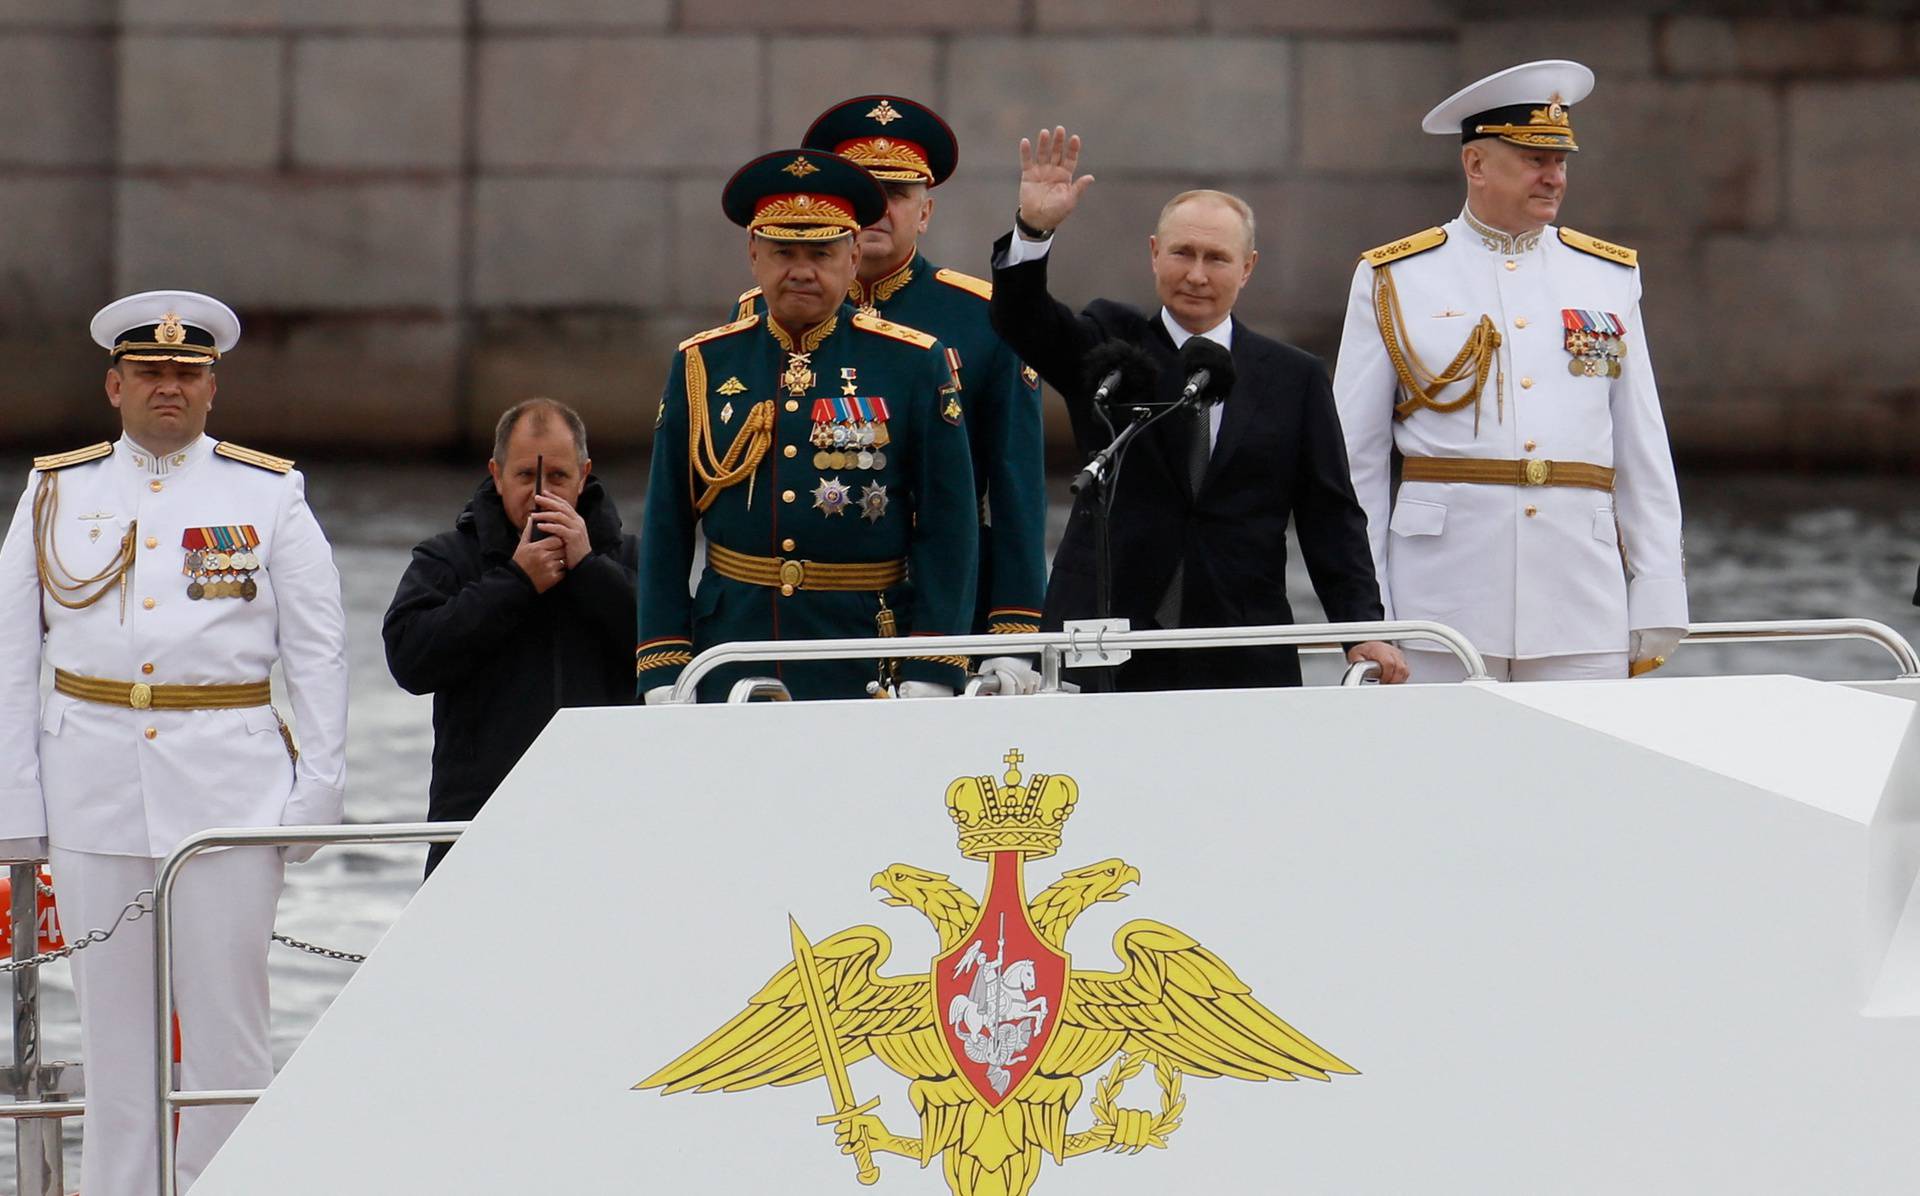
x=1220, y=334
x=181, y=458
x=1496, y=240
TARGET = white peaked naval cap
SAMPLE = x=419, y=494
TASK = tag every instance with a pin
x=183, y=326
x=1526, y=105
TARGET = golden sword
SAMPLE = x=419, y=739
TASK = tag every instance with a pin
x=831, y=1060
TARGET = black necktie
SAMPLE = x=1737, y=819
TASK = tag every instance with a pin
x=1199, y=452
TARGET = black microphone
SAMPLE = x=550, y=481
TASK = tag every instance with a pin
x=1209, y=369
x=1120, y=375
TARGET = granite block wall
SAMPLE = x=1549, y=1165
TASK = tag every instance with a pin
x=427, y=209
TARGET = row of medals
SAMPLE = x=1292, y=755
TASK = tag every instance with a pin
x=1594, y=356
x=222, y=574
x=853, y=445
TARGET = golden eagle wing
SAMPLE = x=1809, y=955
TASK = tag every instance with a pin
x=1182, y=1005
x=771, y=1041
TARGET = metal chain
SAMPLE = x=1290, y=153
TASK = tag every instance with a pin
x=322, y=952
x=138, y=908
x=133, y=911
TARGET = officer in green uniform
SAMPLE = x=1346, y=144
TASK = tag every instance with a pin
x=823, y=450
x=910, y=150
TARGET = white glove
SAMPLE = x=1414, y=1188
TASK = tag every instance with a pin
x=1015, y=674
x=301, y=854
x=31, y=848
x=1652, y=646
x=658, y=695
x=923, y=689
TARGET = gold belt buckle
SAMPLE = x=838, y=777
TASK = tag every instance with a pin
x=140, y=696
x=1538, y=472
x=792, y=574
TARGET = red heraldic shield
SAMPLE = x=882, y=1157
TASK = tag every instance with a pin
x=998, y=991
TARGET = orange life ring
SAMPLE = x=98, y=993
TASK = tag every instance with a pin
x=49, y=919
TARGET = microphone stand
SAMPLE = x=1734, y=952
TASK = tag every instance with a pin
x=1098, y=483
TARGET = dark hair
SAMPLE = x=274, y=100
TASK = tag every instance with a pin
x=541, y=410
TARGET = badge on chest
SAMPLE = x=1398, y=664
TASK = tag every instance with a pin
x=850, y=432
x=221, y=561
x=1596, y=341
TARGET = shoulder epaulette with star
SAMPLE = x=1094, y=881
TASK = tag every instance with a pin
x=1619, y=255
x=53, y=461
x=899, y=332
x=965, y=282
x=1393, y=251
x=253, y=457
x=743, y=306
x=714, y=334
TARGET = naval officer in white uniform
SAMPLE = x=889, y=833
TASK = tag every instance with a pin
x=1506, y=360
x=161, y=576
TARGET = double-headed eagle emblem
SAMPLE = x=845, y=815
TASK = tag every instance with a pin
x=996, y=1036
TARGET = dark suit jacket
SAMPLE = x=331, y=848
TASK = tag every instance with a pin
x=1279, y=454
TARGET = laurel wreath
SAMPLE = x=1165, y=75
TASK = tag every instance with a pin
x=1133, y=1130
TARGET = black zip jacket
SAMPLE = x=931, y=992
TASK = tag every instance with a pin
x=467, y=626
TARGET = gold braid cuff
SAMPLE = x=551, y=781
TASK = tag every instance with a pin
x=56, y=580
x=1475, y=359
x=743, y=455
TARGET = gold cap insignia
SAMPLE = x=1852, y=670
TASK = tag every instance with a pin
x=800, y=168
x=885, y=113
x=170, y=332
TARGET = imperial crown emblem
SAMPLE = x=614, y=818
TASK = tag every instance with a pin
x=997, y=1035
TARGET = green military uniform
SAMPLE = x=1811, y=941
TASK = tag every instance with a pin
x=901, y=141
x=1001, y=398
x=826, y=471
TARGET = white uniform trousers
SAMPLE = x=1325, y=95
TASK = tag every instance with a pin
x=1437, y=668
x=222, y=917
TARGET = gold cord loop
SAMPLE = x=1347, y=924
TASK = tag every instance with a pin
x=56, y=580
x=743, y=456
x=1475, y=359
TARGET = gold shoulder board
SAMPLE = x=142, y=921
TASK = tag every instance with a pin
x=1618, y=254
x=713, y=334
x=1392, y=251
x=899, y=332
x=965, y=282
x=744, y=304
x=253, y=457
x=53, y=461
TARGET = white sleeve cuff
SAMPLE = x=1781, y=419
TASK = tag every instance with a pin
x=314, y=805
x=1656, y=602
x=1019, y=250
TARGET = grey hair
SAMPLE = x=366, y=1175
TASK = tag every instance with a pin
x=541, y=409
x=1238, y=206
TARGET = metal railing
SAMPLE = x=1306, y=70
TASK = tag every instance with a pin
x=1772, y=630
x=169, y=1099
x=1076, y=646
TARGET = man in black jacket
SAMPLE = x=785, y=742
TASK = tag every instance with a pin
x=1201, y=508
x=524, y=607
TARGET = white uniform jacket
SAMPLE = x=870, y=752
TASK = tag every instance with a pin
x=119, y=781
x=1523, y=571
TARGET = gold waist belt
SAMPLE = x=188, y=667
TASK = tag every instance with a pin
x=138, y=695
x=1508, y=473
x=789, y=575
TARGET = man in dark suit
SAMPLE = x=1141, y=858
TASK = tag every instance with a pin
x=1200, y=514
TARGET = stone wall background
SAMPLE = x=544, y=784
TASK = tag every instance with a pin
x=427, y=209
